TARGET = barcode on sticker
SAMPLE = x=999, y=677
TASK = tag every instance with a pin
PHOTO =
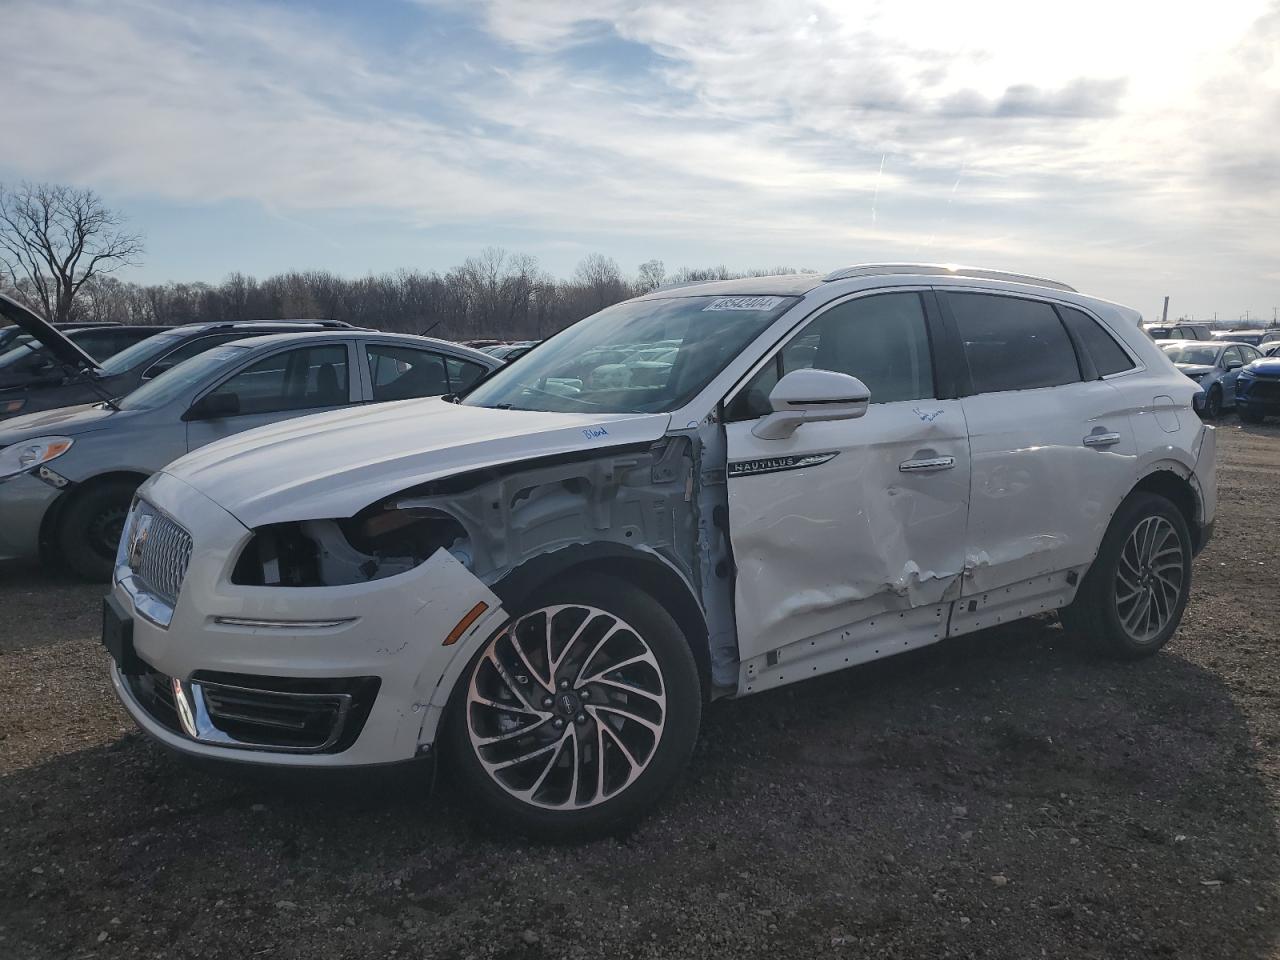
x=743, y=303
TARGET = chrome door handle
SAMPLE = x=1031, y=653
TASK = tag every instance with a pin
x=927, y=465
x=1101, y=439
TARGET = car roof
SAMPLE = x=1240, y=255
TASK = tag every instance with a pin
x=405, y=339
x=798, y=284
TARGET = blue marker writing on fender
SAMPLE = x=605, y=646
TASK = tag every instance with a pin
x=595, y=433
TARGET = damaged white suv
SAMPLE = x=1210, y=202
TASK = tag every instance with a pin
x=707, y=491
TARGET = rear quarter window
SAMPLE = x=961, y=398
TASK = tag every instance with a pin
x=1108, y=356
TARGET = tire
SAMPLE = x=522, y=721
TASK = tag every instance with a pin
x=504, y=692
x=1213, y=403
x=1247, y=415
x=1148, y=548
x=89, y=528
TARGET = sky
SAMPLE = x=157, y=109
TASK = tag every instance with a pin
x=1131, y=149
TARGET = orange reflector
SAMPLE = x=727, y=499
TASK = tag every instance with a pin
x=465, y=623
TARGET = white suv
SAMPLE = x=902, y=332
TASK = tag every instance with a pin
x=707, y=491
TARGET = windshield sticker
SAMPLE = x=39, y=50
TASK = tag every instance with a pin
x=743, y=303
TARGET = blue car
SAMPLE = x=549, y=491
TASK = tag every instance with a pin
x=1258, y=390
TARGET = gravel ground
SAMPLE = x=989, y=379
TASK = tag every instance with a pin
x=1003, y=795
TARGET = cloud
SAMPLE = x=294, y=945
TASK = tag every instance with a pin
x=1100, y=135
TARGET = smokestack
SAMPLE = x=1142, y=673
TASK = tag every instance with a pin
x=1164, y=317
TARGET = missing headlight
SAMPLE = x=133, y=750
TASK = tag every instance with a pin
x=375, y=543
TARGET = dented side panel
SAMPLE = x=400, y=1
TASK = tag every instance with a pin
x=1044, y=488
x=852, y=536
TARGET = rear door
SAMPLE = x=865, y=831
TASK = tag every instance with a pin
x=285, y=384
x=1053, y=450
x=848, y=535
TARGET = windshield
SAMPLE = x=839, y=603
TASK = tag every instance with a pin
x=19, y=350
x=140, y=352
x=177, y=380
x=1179, y=353
x=642, y=356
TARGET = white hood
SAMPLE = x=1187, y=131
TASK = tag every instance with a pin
x=335, y=464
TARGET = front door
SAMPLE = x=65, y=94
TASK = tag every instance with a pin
x=289, y=383
x=851, y=521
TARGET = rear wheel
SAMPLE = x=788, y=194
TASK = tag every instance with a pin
x=578, y=714
x=1132, y=599
x=90, y=527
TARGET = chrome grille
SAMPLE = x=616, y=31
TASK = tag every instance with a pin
x=158, y=551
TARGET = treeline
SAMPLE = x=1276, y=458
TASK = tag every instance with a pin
x=496, y=294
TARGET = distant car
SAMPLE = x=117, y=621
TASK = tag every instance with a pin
x=1251, y=337
x=29, y=361
x=1269, y=348
x=511, y=351
x=1258, y=390
x=1214, y=366
x=91, y=380
x=1178, y=331
x=67, y=476
x=9, y=335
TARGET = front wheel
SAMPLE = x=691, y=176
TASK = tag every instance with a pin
x=89, y=529
x=579, y=713
x=1132, y=599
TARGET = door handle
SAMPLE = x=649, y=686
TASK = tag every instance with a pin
x=927, y=465
x=1101, y=439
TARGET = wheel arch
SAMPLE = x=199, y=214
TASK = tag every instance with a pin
x=644, y=569
x=1172, y=481
x=53, y=516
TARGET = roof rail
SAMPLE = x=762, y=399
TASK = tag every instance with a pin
x=941, y=270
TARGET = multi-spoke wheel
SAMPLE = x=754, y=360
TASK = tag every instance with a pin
x=578, y=712
x=1132, y=599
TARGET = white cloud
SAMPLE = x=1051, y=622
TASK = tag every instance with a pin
x=1099, y=137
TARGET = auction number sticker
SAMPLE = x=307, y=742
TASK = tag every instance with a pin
x=743, y=303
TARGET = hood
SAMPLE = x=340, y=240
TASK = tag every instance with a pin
x=58, y=344
x=1269, y=367
x=1195, y=369
x=335, y=464
x=63, y=421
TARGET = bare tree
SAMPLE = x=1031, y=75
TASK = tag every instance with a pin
x=653, y=273
x=54, y=239
x=600, y=275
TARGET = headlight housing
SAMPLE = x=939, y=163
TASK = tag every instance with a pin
x=28, y=454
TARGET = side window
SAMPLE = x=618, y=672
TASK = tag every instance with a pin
x=1108, y=356
x=1012, y=344
x=462, y=373
x=1229, y=354
x=882, y=340
x=302, y=379
x=1250, y=354
x=400, y=373
x=188, y=350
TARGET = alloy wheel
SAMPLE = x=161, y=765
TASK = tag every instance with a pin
x=1149, y=578
x=566, y=707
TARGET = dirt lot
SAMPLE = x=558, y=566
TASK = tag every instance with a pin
x=1006, y=795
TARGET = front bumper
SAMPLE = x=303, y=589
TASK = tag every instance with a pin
x=24, y=502
x=386, y=635
x=1260, y=395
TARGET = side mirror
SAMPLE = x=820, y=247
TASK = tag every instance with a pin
x=810, y=396
x=1234, y=364
x=214, y=406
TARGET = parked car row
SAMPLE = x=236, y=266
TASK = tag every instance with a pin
x=68, y=473
x=707, y=491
